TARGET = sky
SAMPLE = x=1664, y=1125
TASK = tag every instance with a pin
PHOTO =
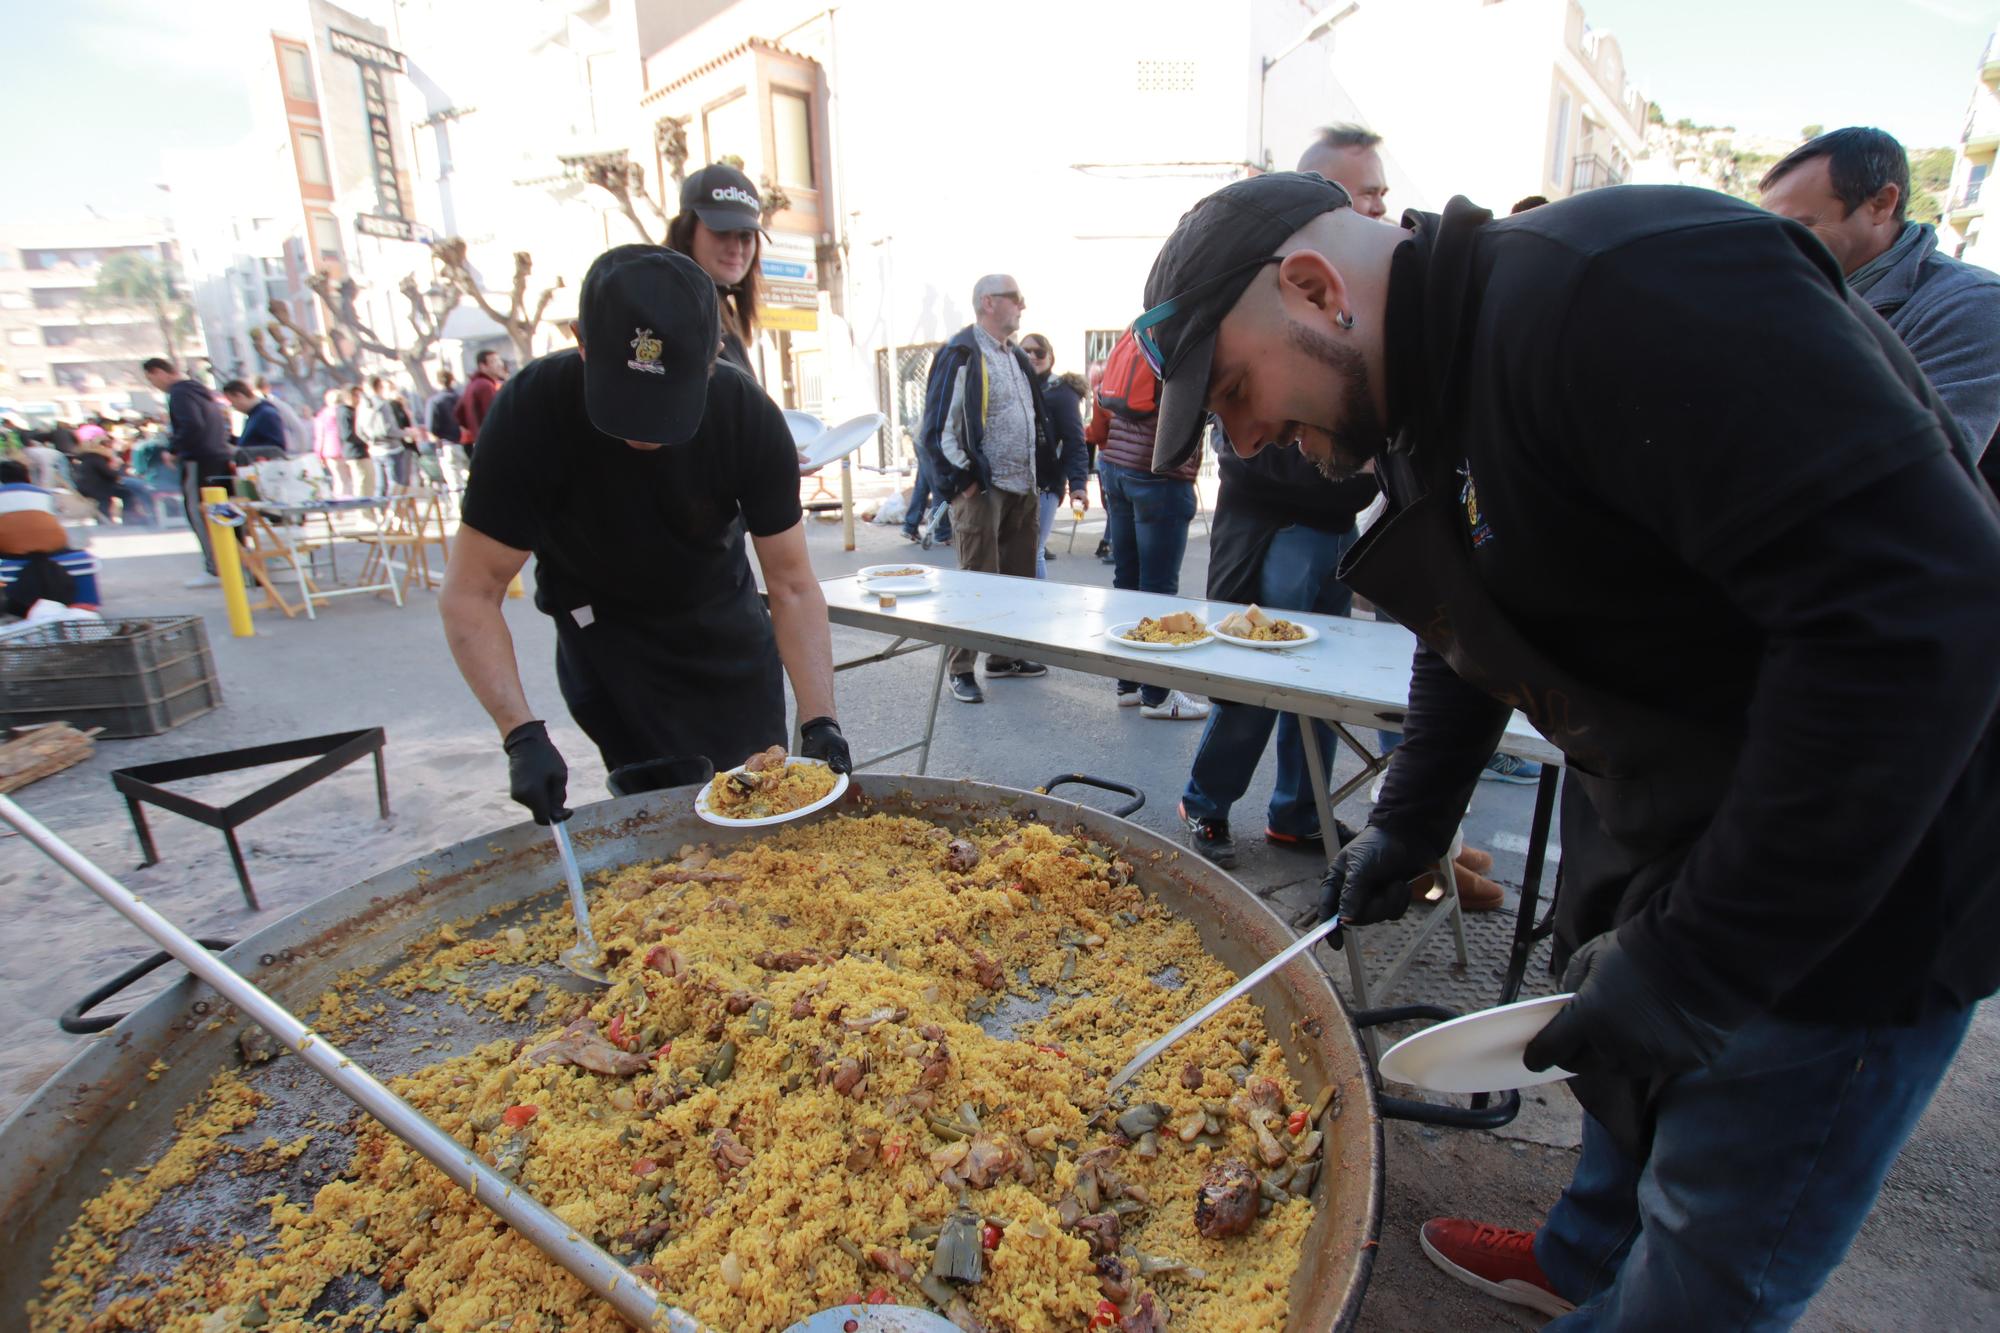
x=1776, y=66
x=97, y=88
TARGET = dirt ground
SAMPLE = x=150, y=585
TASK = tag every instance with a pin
x=1927, y=1259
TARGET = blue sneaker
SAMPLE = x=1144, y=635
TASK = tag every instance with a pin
x=1506, y=768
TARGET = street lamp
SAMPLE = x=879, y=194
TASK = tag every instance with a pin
x=1316, y=27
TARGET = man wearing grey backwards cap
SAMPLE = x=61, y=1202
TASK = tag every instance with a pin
x=630, y=467
x=1656, y=480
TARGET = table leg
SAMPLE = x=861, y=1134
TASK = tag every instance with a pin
x=149, y=856
x=930, y=722
x=1357, y=964
x=381, y=784
x=242, y=870
x=292, y=549
x=1527, y=930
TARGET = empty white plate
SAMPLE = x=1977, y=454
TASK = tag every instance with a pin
x=1476, y=1053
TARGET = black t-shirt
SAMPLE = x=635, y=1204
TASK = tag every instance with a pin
x=1694, y=477
x=613, y=527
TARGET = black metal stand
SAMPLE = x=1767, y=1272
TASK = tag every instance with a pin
x=329, y=754
x=1528, y=929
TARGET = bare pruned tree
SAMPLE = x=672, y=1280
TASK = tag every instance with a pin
x=302, y=356
x=520, y=320
x=625, y=181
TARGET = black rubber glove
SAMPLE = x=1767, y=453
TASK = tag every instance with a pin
x=821, y=739
x=1369, y=880
x=537, y=777
x=1623, y=1021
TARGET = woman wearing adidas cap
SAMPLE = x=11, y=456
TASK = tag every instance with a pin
x=630, y=466
x=721, y=227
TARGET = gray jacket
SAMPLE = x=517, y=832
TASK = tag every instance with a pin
x=1947, y=312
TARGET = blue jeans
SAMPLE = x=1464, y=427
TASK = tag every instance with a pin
x=1761, y=1171
x=1147, y=518
x=1297, y=575
x=1049, y=501
x=923, y=496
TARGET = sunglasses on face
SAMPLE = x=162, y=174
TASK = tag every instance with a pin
x=1142, y=327
x=1037, y=352
x=1015, y=297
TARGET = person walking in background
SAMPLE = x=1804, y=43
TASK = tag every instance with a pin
x=263, y=433
x=987, y=434
x=199, y=438
x=488, y=370
x=1146, y=515
x=385, y=424
x=721, y=227
x=329, y=443
x=1851, y=187
x=298, y=435
x=1063, y=394
x=1348, y=156
x=441, y=416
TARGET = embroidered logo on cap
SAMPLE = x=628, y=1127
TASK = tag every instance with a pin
x=730, y=194
x=646, y=353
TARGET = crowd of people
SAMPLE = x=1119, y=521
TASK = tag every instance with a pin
x=1706, y=573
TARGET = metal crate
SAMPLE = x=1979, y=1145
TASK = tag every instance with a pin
x=129, y=677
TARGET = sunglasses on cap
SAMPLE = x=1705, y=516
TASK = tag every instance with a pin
x=1142, y=327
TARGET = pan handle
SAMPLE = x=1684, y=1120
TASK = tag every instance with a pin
x=1480, y=1115
x=1102, y=784
x=73, y=1020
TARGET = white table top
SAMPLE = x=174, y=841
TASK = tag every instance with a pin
x=1357, y=672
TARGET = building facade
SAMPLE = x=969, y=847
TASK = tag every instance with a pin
x=917, y=151
x=1966, y=204
x=65, y=353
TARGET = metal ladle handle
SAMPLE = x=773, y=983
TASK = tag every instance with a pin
x=578, y=904
x=639, y=1304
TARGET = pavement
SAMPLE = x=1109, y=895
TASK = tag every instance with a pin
x=1928, y=1258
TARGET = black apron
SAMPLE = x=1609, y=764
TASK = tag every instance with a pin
x=673, y=660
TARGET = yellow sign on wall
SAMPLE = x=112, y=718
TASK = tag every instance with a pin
x=788, y=317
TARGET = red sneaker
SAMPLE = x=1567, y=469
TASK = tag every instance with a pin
x=1496, y=1260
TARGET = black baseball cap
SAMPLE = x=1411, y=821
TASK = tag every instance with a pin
x=647, y=320
x=723, y=198
x=1220, y=245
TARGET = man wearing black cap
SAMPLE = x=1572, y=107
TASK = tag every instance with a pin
x=630, y=467
x=1656, y=480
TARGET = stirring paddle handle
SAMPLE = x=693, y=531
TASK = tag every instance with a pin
x=638, y=1303
x=1221, y=1002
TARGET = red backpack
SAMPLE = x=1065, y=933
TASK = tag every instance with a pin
x=1129, y=386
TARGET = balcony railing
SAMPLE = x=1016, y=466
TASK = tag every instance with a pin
x=1593, y=173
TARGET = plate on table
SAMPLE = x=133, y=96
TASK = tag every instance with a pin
x=1477, y=1052
x=703, y=809
x=897, y=579
x=1241, y=642
x=1117, y=633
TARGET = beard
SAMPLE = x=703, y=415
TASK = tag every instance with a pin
x=1360, y=434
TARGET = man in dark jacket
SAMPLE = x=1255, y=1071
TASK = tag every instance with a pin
x=1278, y=533
x=988, y=437
x=1657, y=480
x=263, y=433
x=198, y=435
x=1851, y=187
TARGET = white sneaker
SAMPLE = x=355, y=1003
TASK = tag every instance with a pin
x=203, y=581
x=1176, y=707
x=1128, y=698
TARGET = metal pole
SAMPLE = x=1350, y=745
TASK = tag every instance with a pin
x=638, y=1303
x=894, y=377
